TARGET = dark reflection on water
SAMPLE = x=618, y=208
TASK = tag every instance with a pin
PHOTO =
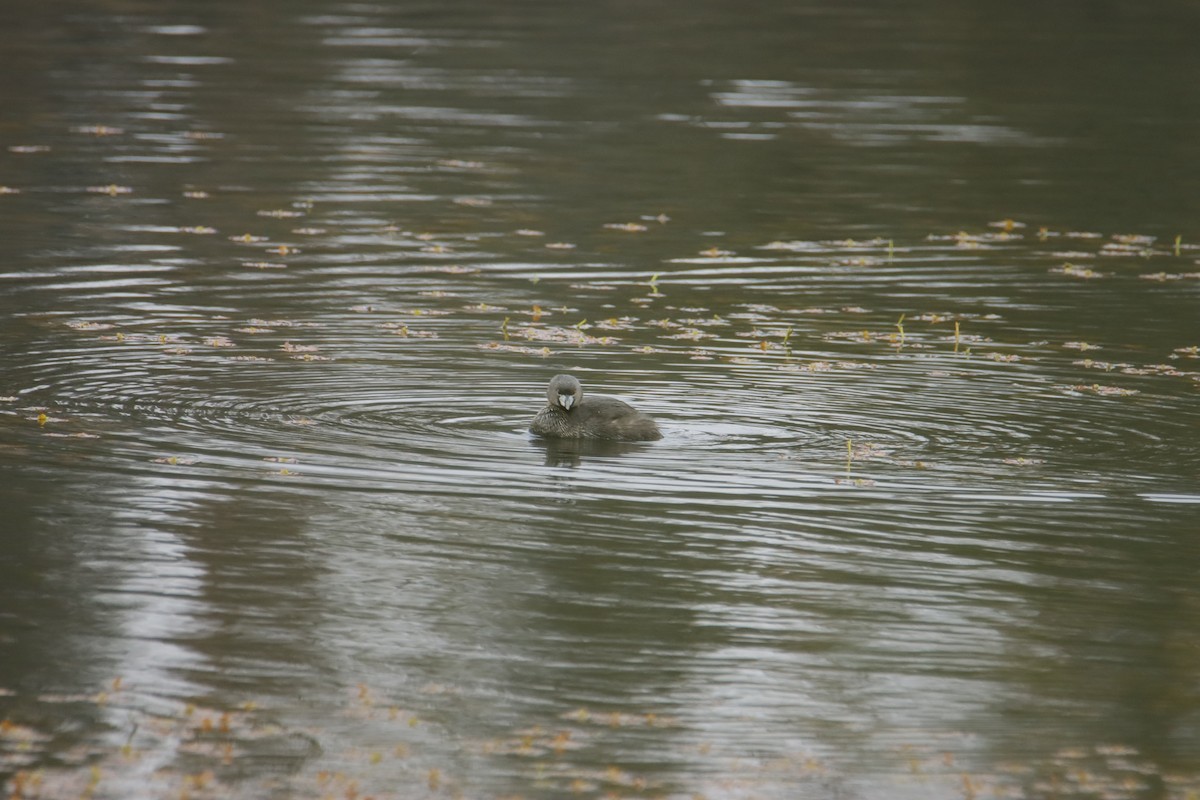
x=280, y=289
x=569, y=452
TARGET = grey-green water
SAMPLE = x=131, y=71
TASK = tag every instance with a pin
x=282, y=284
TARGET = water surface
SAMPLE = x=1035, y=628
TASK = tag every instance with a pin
x=912, y=293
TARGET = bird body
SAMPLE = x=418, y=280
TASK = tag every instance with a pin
x=570, y=415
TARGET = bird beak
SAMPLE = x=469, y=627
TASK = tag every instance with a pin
x=566, y=401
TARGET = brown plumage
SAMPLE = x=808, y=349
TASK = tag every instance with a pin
x=569, y=415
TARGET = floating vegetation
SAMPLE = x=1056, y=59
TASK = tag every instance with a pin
x=1098, y=389
x=288, y=347
x=792, y=246
x=617, y=324
x=87, y=325
x=541, y=352
x=1134, y=239
x=402, y=329
x=1074, y=271
x=175, y=461
x=112, y=190
x=1088, y=363
x=574, y=335
x=281, y=323
x=691, y=334
x=98, y=130
x=1163, y=277
x=825, y=366
x=457, y=163
x=1158, y=369
x=449, y=269
x=971, y=241
x=861, y=261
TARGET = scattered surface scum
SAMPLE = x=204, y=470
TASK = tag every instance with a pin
x=198, y=752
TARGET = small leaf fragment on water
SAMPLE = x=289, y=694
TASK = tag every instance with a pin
x=112, y=189
x=175, y=461
x=1098, y=389
x=98, y=130
x=1077, y=272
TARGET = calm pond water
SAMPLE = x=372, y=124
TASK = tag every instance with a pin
x=914, y=293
